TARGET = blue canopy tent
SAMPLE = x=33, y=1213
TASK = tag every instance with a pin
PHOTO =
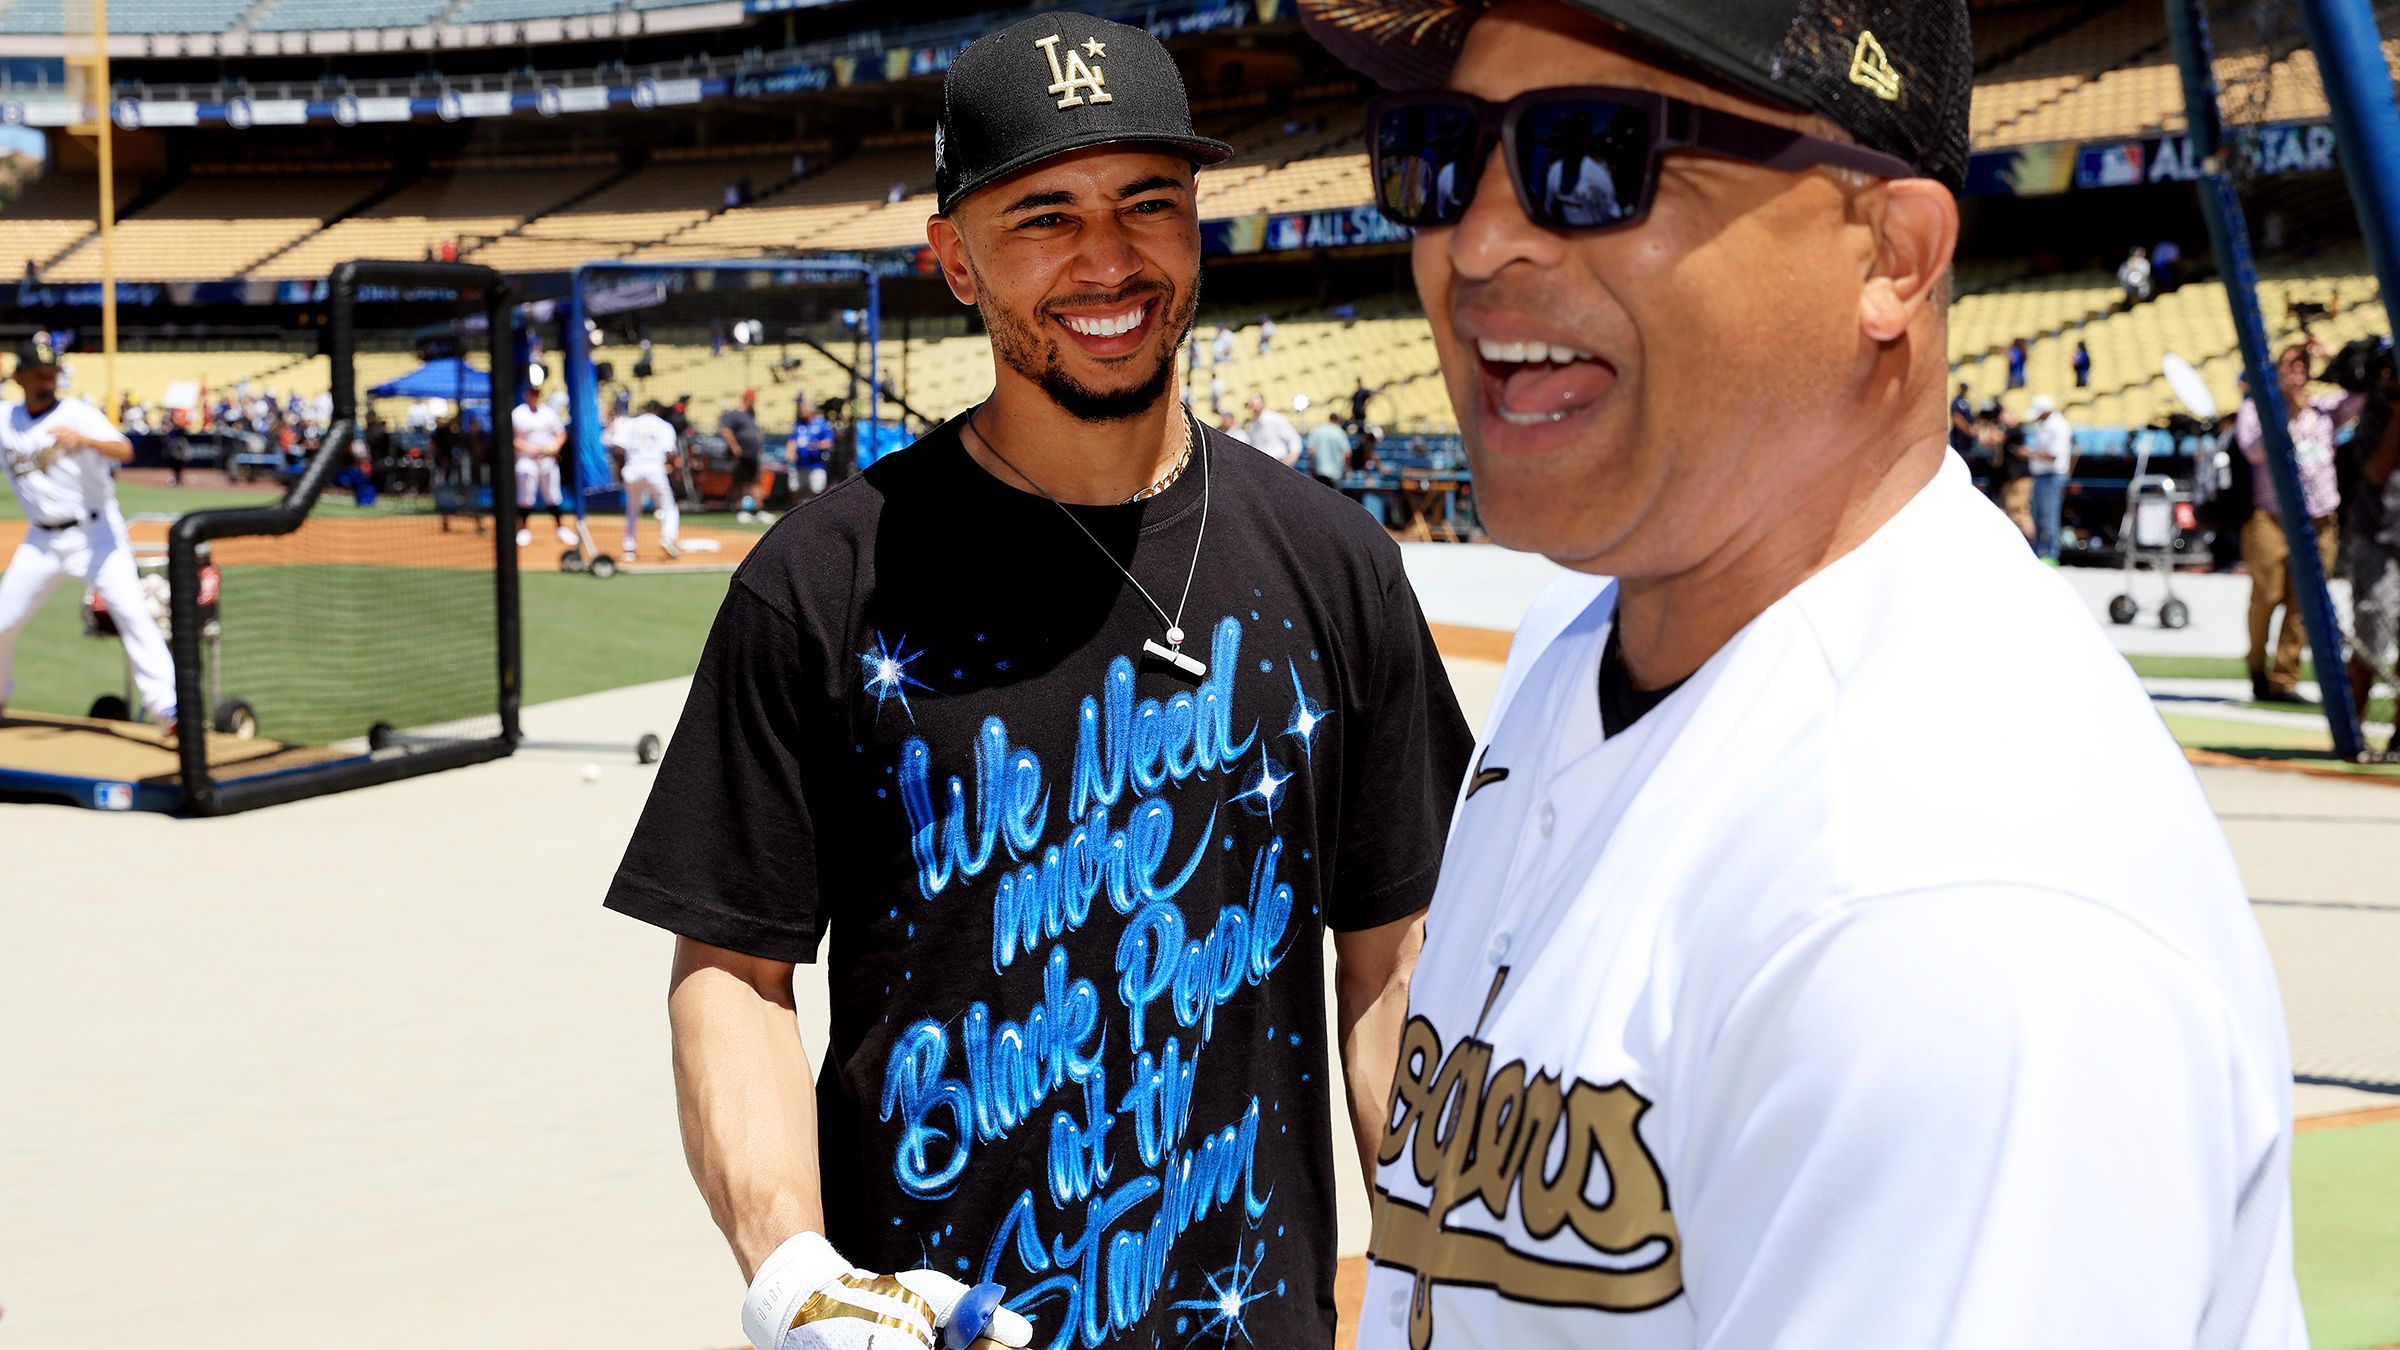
x=448, y=378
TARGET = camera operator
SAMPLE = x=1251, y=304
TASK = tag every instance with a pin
x=2371, y=487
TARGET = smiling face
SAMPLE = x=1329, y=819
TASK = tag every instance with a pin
x=1632, y=401
x=1086, y=269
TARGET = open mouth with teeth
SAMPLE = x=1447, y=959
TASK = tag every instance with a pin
x=1540, y=384
x=1113, y=332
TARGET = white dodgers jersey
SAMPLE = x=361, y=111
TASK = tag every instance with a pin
x=1809, y=1011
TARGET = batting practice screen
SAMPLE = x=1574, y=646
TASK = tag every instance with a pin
x=364, y=628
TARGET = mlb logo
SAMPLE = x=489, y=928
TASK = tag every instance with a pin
x=113, y=796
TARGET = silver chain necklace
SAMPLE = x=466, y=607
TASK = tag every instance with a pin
x=1172, y=652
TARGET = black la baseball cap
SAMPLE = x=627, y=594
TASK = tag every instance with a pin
x=1898, y=75
x=37, y=351
x=1053, y=83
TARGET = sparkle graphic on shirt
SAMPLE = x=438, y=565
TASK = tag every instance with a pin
x=1230, y=1298
x=1267, y=789
x=1307, y=716
x=886, y=672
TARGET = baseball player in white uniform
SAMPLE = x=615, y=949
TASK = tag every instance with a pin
x=1755, y=1011
x=58, y=452
x=539, y=433
x=645, y=449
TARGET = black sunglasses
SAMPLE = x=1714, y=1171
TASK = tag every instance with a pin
x=1583, y=159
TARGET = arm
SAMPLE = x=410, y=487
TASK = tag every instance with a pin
x=67, y=440
x=743, y=1096
x=1370, y=980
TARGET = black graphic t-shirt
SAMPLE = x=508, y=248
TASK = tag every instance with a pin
x=1077, y=897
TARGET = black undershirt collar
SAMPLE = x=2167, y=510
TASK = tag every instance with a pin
x=1622, y=705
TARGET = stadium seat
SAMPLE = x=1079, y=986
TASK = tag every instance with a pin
x=209, y=228
x=467, y=207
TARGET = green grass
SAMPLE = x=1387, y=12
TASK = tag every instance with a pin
x=2346, y=1234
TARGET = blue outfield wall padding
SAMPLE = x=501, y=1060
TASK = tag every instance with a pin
x=2366, y=121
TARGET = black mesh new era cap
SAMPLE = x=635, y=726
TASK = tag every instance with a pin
x=1898, y=75
x=1053, y=83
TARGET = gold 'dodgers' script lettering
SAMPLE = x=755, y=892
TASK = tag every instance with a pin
x=1475, y=1135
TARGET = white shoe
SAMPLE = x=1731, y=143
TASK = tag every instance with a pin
x=667, y=546
x=524, y=539
x=566, y=535
x=626, y=556
x=744, y=517
x=766, y=517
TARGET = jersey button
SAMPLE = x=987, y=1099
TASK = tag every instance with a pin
x=1399, y=1307
x=1547, y=819
x=1498, y=951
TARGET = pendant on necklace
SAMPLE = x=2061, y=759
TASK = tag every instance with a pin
x=1189, y=665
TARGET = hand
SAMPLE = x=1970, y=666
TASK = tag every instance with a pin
x=807, y=1296
x=66, y=440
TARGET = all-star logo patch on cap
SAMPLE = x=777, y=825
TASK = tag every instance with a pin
x=1897, y=75
x=37, y=351
x=1053, y=83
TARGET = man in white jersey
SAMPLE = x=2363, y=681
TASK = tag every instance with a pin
x=539, y=434
x=644, y=447
x=1737, y=1024
x=57, y=453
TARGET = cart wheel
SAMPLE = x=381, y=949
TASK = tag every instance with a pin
x=380, y=736
x=2122, y=610
x=2174, y=614
x=645, y=750
x=111, y=708
x=603, y=567
x=570, y=562
x=236, y=718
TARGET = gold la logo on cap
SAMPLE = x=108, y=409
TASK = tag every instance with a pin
x=1871, y=69
x=1077, y=78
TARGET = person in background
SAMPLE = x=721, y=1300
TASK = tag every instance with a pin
x=2003, y=438
x=2082, y=364
x=2050, y=449
x=1328, y=447
x=738, y=428
x=2166, y=267
x=1360, y=398
x=2374, y=519
x=1272, y=432
x=1962, y=423
x=2133, y=277
x=2316, y=423
x=1221, y=347
x=1266, y=333
x=2017, y=354
x=811, y=447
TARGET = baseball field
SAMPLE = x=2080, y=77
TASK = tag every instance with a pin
x=391, y=1031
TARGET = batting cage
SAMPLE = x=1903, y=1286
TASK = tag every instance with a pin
x=2249, y=67
x=339, y=637
x=769, y=373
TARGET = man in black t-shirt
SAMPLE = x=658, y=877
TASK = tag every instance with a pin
x=738, y=427
x=1078, y=727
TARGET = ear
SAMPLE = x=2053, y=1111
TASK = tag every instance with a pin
x=1917, y=234
x=951, y=249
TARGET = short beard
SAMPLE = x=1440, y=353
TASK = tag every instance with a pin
x=1037, y=358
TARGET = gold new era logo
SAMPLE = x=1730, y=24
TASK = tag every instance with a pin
x=1077, y=78
x=1871, y=69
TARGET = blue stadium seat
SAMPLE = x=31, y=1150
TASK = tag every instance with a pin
x=291, y=15
x=502, y=11
x=34, y=16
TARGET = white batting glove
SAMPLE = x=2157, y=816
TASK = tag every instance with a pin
x=807, y=1296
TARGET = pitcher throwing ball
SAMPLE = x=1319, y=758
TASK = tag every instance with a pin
x=1077, y=726
x=58, y=452
x=1741, y=1023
